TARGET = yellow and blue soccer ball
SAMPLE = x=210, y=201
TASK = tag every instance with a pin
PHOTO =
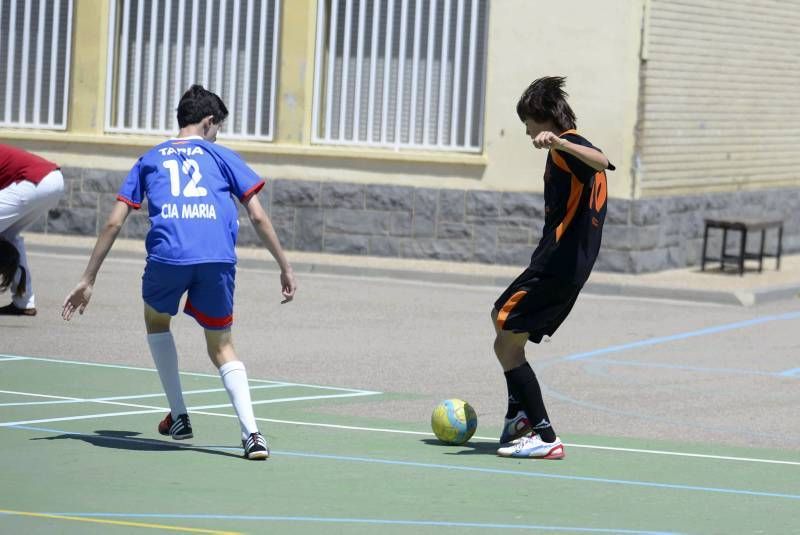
x=454, y=421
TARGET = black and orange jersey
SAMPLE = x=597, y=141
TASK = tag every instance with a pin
x=575, y=198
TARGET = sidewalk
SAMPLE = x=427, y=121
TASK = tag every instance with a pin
x=689, y=284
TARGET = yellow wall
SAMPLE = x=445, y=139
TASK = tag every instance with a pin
x=595, y=44
x=296, y=72
x=87, y=94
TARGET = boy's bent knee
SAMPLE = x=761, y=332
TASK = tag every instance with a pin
x=154, y=321
x=219, y=344
x=510, y=349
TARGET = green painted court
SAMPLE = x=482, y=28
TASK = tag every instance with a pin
x=676, y=417
x=81, y=455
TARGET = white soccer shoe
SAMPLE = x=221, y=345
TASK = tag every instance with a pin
x=515, y=428
x=532, y=446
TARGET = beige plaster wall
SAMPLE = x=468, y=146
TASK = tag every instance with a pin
x=595, y=44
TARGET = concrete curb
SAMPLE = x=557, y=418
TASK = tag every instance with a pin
x=745, y=298
x=719, y=297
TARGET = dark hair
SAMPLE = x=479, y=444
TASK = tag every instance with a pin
x=9, y=263
x=197, y=103
x=545, y=99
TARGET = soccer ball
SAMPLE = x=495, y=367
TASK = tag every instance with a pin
x=454, y=421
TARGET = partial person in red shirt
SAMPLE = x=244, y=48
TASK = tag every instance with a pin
x=30, y=186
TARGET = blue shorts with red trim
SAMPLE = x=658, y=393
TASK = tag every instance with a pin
x=210, y=291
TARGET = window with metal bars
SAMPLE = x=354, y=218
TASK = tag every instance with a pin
x=158, y=48
x=403, y=74
x=35, y=48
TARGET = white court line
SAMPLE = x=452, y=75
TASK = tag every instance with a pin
x=283, y=400
x=82, y=417
x=186, y=392
x=573, y=445
x=193, y=374
x=60, y=399
x=199, y=410
x=382, y=430
x=39, y=403
x=123, y=367
x=418, y=433
x=147, y=408
x=3, y=358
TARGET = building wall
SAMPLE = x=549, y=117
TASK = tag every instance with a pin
x=720, y=97
x=500, y=227
x=596, y=46
x=603, y=94
x=640, y=79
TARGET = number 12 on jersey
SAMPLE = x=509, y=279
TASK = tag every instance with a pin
x=190, y=169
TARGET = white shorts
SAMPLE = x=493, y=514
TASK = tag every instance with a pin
x=24, y=202
x=21, y=204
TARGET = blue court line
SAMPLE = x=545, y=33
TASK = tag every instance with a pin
x=682, y=336
x=635, y=414
x=457, y=468
x=376, y=521
x=735, y=371
x=542, y=475
x=794, y=372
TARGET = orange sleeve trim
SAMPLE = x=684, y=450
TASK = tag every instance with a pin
x=509, y=305
x=134, y=205
x=576, y=188
x=559, y=160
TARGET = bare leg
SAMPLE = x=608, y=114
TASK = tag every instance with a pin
x=509, y=347
x=154, y=321
x=220, y=347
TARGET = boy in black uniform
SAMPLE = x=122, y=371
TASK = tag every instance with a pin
x=542, y=296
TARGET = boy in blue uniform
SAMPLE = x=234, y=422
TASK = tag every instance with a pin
x=189, y=183
x=539, y=300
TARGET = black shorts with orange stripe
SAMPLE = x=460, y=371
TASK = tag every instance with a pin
x=535, y=303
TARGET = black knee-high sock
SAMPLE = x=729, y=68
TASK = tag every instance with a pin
x=525, y=388
x=513, y=405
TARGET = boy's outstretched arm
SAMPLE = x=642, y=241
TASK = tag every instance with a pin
x=588, y=155
x=263, y=227
x=79, y=298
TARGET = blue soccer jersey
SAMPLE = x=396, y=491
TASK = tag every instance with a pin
x=189, y=184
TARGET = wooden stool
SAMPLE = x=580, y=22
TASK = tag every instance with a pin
x=742, y=225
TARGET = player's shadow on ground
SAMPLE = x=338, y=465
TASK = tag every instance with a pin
x=470, y=448
x=125, y=440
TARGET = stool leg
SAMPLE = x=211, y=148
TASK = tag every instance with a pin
x=724, y=246
x=741, y=252
x=761, y=250
x=780, y=245
x=705, y=247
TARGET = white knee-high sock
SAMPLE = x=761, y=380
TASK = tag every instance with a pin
x=234, y=378
x=165, y=356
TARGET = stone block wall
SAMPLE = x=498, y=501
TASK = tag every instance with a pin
x=448, y=224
